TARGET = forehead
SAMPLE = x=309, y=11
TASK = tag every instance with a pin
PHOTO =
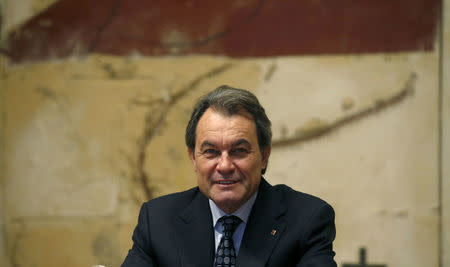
x=214, y=124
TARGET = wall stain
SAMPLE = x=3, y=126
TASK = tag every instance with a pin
x=316, y=128
x=404, y=213
x=110, y=71
x=46, y=93
x=270, y=71
x=155, y=118
x=401, y=214
x=347, y=103
x=20, y=233
x=173, y=154
x=106, y=250
x=313, y=127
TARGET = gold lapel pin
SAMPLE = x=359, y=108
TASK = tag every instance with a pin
x=273, y=232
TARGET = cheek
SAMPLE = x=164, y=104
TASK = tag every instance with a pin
x=205, y=167
x=248, y=169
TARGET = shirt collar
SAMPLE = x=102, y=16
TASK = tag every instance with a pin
x=243, y=212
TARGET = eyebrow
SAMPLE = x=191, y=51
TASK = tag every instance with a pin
x=207, y=143
x=237, y=143
x=241, y=142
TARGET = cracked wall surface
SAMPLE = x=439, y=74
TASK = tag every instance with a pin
x=84, y=141
x=88, y=140
x=383, y=166
x=98, y=146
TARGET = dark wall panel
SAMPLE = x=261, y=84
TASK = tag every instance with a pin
x=236, y=28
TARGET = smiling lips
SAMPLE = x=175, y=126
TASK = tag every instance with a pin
x=226, y=181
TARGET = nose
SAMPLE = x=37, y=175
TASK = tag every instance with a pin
x=225, y=165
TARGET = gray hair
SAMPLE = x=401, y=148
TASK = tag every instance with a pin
x=231, y=101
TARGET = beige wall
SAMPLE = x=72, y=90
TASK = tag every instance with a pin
x=16, y=12
x=3, y=257
x=73, y=131
x=445, y=161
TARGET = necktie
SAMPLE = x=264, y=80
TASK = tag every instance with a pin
x=225, y=254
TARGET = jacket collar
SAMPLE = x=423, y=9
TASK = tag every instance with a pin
x=195, y=233
x=264, y=227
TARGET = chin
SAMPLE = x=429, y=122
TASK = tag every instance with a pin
x=226, y=198
x=227, y=201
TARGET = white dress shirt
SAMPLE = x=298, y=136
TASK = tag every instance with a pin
x=243, y=212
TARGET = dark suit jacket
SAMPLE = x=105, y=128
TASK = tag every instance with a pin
x=177, y=230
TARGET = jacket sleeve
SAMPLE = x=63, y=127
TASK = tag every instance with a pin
x=319, y=238
x=140, y=255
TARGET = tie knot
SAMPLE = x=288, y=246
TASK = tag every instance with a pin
x=229, y=224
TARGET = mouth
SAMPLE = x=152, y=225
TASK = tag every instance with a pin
x=226, y=182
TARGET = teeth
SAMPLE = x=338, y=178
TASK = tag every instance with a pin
x=226, y=182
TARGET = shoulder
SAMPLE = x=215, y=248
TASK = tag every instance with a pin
x=302, y=211
x=291, y=195
x=171, y=203
x=299, y=202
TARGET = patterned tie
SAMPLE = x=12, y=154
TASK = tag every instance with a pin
x=226, y=255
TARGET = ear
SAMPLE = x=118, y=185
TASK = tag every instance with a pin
x=192, y=157
x=265, y=155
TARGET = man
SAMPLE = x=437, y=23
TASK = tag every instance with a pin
x=234, y=217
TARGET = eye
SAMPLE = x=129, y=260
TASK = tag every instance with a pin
x=239, y=151
x=210, y=151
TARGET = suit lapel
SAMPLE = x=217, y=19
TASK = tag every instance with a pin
x=263, y=229
x=196, y=233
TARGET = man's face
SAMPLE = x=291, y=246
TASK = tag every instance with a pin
x=227, y=158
